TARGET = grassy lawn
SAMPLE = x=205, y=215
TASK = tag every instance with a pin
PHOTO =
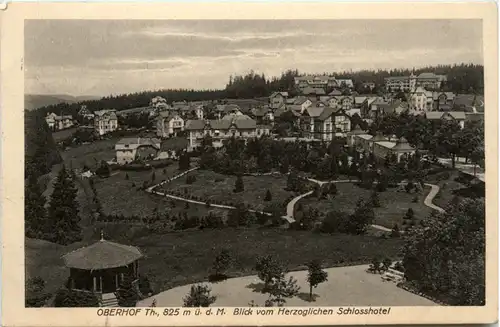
x=174, y=259
x=64, y=134
x=217, y=187
x=449, y=187
x=394, y=203
x=90, y=154
x=119, y=196
x=179, y=258
x=44, y=259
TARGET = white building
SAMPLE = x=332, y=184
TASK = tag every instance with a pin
x=169, y=124
x=57, y=123
x=105, y=121
x=421, y=100
x=410, y=83
x=135, y=148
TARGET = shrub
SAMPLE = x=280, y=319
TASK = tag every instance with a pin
x=395, y=231
x=144, y=284
x=239, y=186
x=35, y=293
x=69, y=298
x=335, y=222
x=375, y=200
x=190, y=179
x=222, y=262
x=375, y=265
x=415, y=199
x=268, y=196
x=199, y=296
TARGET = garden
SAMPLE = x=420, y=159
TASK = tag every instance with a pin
x=255, y=192
x=391, y=207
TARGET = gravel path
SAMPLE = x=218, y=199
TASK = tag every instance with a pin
x=346, y=286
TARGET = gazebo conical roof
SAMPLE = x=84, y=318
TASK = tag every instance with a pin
x=378, y=137
x=102, y=255
x=403, y=145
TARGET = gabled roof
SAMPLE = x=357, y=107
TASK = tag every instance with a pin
x=434, y=115
x=311, y=90
x=359, y=100
x=284, y=94
x=314, y=111
x=459, y=115
x=335, y=92
x=300, y=100
x=102, y=255
x=261, y=111
x=136, y=142
x=327, y=112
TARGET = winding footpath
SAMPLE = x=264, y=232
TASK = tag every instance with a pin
x=289, y=217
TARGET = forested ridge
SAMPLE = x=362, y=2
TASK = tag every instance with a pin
x=462, y=78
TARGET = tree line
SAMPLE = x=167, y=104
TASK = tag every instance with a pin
x=462, y=78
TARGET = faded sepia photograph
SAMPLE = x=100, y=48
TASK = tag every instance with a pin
x=192, y=163
x=249, y=164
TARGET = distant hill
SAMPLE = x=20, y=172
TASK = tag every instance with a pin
x=34, y=101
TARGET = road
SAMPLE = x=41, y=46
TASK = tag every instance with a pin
x=289, y=217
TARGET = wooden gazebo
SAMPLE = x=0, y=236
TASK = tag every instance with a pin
x=100, y=267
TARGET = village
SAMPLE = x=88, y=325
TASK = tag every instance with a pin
x=289, y=199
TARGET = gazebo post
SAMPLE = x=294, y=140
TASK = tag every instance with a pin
x=100, y=282
x=95, y=283
x=116, y=280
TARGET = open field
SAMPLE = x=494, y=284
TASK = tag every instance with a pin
x=119, y=196
x=450, y=188
x=64, y=134
x=43, y=259
x=218, y=188
x=90, y=154
x=394, y=204
x=174, y=259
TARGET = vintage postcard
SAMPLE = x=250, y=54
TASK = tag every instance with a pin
x=249, y=164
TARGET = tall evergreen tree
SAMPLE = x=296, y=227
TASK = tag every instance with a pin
x=63, y=210
x=35, y=213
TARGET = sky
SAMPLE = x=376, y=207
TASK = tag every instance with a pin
x=103, y=57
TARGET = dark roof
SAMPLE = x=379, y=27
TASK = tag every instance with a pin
x=327, y=112
x=246, y=123
x=102, y=255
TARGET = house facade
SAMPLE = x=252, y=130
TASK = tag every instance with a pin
x=323, y=123
x=277, y=99
x=57, y=123
x=410, y=83
x=238, y=126
x=458, y=116
x=136, y=148
x=421, y=100
x=169, y=124
x=105, y=121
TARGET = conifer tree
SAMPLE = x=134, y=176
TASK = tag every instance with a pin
x=63, y=210
x=35, y=213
